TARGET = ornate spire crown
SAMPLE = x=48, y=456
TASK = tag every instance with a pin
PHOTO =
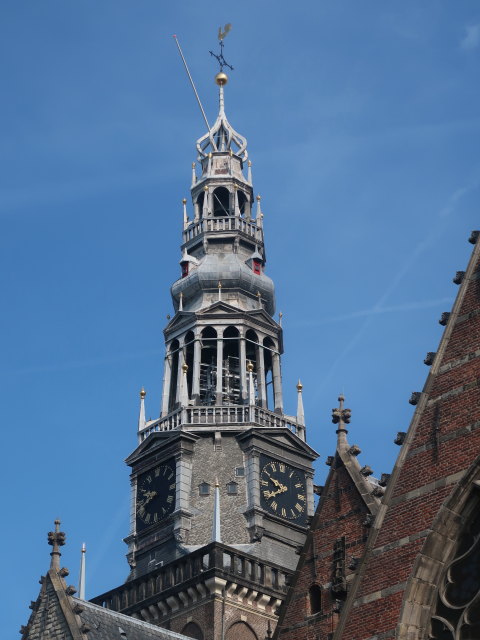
x=222, y=137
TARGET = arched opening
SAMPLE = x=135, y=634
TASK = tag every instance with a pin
x=269, y=345
x=199, y=204
x=208, y=366
x=221, y=202
x=189, y=353
x=241, y=631
x=173, y=358
x=231, y=366
x=242, y=202
x=315, y=599
x=192, y=630
x=251, y=350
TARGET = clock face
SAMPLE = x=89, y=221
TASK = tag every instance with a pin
x=283, y=490
x=155, y=494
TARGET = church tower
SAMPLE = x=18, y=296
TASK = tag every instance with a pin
x=222, y=481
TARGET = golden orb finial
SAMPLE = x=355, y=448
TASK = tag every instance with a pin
x=249, y=367
x=299, y=386
x=184, y=201
x=143, y=393
x=184, y=367
x=221, y=79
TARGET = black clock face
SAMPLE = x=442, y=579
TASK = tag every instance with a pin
x=155, y=494
x=283, y=490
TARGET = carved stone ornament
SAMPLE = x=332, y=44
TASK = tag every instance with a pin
x=329, y=461
x=366, y=470
x=56, y=538
x=474, y=237
x=354, y=450
x=429, y=358
x=369, y=519
x=458, y=279
x=444, y=318
x=415, y=397
x=256, y=533
x=180, y=536
x=400, y=439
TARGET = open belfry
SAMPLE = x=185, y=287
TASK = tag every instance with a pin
x=224, y=541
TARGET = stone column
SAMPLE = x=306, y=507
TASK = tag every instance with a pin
x=262, y=391
x=219, y=389
x=167, y=372
x=181, y=360
x=277, y=383
x=197, y=356
x=243, y=369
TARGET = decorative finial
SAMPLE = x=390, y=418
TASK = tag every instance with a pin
x=249, y=367
x=184, y=367
x=251, y=386
x=216, y=532
x=221, y=79
x=341, y=417
x=205, y=188
x=81, y=580
x=280, y=316
x=219, y=286
x=180, y=301
x=300, y=412
x=141, y=414
x=56, y=539
x=184, y=200
x=259, y=298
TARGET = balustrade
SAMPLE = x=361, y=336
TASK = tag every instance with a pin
x=231, y=565
x=222, y=225
x=219, y=415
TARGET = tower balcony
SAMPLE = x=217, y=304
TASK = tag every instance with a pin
x=215, y=569
x=223, y=225
x=233, y=417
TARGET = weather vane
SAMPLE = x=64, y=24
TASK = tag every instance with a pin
x=220, y=59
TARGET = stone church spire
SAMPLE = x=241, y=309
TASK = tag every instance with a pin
x=222, y=480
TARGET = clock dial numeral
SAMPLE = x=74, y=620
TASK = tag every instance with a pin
x=283, y=490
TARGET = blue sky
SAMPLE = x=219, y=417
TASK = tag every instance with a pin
x=363, y=125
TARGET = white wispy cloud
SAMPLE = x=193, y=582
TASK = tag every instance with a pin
x=421, y=248
x=80, y=364
x=471, y=39
x=378, y=309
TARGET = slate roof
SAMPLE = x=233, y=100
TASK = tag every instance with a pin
x=106, y=624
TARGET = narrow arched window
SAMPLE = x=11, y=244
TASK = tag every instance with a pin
x=315, y=599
